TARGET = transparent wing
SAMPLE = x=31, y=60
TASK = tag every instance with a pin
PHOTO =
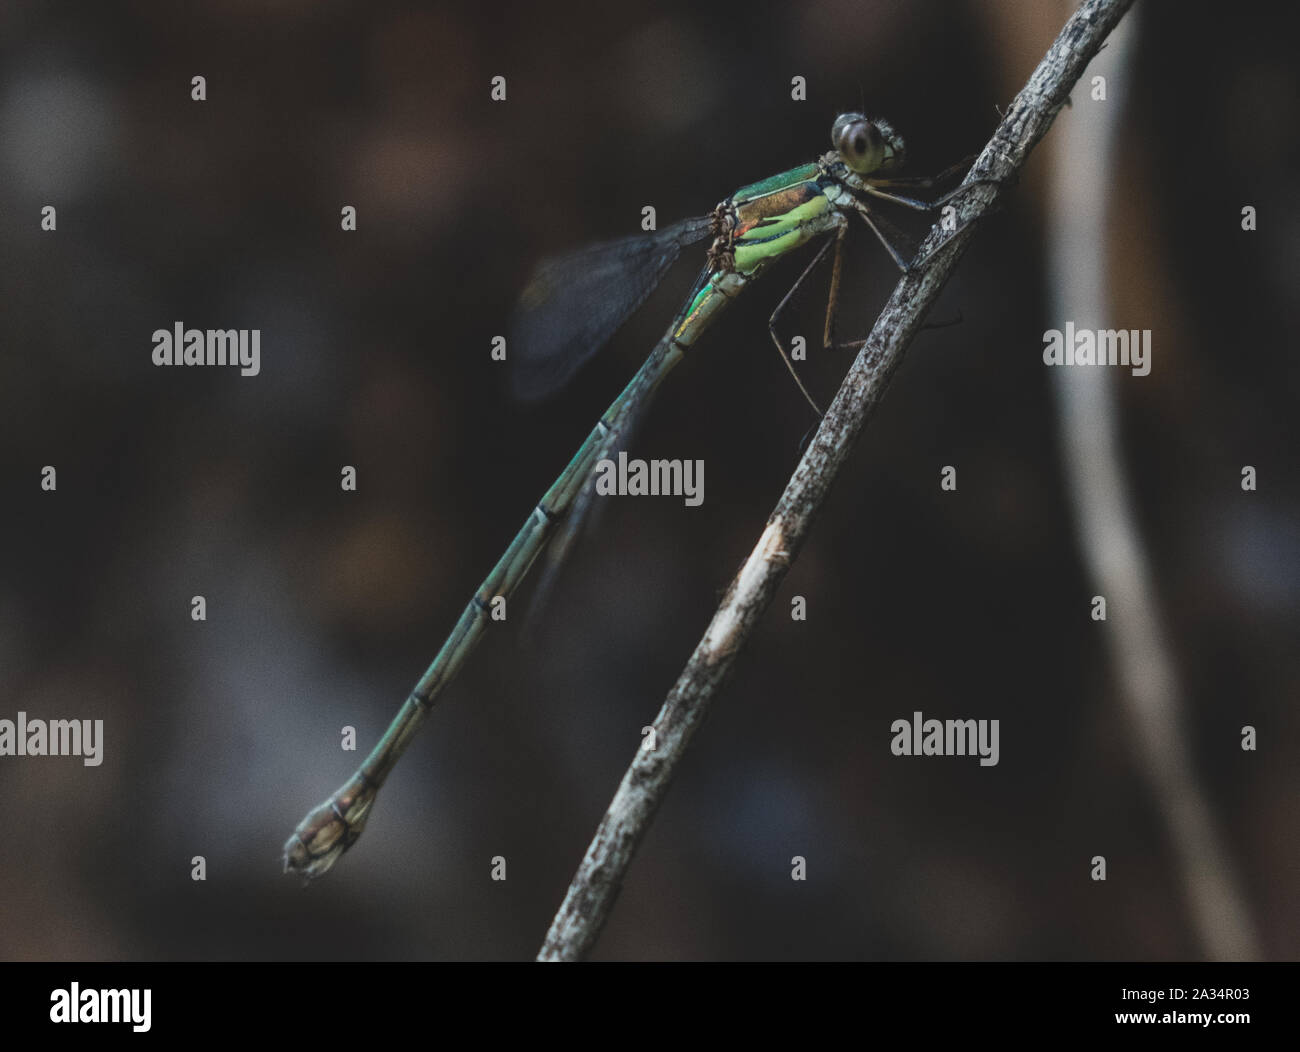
x=573, y=303
x=584, y=513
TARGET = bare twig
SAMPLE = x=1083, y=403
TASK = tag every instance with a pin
x=595, y=886
x=1108, y=532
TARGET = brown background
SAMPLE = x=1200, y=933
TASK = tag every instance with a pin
x=324, y=607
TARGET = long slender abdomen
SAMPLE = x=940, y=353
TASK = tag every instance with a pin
x=334, y=826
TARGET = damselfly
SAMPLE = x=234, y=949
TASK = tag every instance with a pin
x=570, y=308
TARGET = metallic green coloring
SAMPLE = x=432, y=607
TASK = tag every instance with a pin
x=755, y=226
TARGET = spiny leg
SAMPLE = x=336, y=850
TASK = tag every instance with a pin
x=833, y=300
x=832, y=304
x=924, y=182
x=841, y=233
x=920, y=206
x=917, y=206
x=894, y=254
x=872, y=188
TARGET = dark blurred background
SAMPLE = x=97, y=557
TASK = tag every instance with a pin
x=324, y=606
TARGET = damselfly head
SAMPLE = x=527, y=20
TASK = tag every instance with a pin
x=866, y=145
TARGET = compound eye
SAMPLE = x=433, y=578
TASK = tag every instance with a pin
x=860, y=143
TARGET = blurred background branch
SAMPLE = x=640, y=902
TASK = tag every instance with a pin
x=1080, y=226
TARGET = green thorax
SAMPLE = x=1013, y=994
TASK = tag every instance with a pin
x=772, y=183
x=778, y=214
